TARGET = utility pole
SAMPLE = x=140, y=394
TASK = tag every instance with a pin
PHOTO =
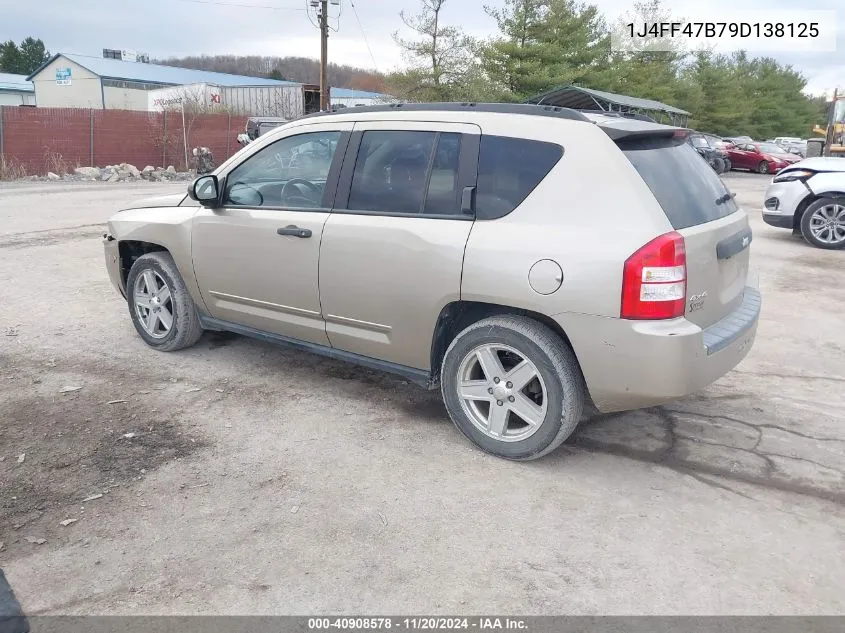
x=324, y=55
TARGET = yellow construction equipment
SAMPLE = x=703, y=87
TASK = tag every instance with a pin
x=834, y=132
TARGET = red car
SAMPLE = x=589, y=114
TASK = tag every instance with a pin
x=764, y=158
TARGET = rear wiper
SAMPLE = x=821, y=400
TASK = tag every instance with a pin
x=727, y=197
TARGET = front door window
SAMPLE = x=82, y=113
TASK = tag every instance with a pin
x=290, y=173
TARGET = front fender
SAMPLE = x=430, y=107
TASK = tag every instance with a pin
x=168, y=227
x=827, y=184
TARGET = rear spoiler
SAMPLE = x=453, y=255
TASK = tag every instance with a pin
x=663, y=132
x=620, y=115
x=621, y=128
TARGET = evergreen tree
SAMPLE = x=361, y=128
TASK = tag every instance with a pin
x=10, y=58
x=546, y=43
x=722, y=108
x=23, y=59
x=33, y=54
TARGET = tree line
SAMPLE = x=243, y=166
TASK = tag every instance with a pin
x=299, y=69
x=541, y=44
x=22, y=59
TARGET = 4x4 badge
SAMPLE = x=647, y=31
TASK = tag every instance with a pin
x=696, y=302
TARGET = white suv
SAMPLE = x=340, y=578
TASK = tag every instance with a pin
x=809, y=198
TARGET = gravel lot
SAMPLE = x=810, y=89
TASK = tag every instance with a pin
x=262, y=480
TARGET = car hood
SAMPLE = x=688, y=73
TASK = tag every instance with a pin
x=169, y=200
x=820, y=163
x=782, y=158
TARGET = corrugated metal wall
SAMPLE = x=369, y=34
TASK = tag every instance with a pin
x=277, y=101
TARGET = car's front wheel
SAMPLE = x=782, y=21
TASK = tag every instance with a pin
x=763, y=167
x=162, y=311
x=513, y=387
x=823, y=223
x=715, y=164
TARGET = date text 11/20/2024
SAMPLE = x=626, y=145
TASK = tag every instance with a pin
x=417, y=623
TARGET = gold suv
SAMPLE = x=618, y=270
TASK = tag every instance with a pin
x=525, y=259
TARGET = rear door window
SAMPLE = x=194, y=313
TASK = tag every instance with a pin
x=407, y=172
x=390, y=171
x=686, y=187
x=442, y=198
x=509, y=169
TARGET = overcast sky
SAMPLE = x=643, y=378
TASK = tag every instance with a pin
x=189, y=27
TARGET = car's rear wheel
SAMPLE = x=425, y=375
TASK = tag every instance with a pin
x=823, y=223
x=763, y=167
x=513, y=387
x=162, y=311
x=728, y=164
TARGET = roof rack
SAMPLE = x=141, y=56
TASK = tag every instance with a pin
x=497, y=108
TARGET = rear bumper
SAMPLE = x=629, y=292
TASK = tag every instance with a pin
x=636, y=364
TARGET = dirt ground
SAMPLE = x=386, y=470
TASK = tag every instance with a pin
x=238, y=477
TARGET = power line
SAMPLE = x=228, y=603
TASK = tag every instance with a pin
x=336, y=28
x=316, y=25
x=243, y=6
x=364, y=35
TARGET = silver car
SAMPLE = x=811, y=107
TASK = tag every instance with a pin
x=808, y=197
x=525, y=260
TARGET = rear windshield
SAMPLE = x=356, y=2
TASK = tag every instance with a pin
x=684, y=184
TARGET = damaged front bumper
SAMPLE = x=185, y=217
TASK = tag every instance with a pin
x=114, y=265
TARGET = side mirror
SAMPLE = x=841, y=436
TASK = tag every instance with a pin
x=205, y=190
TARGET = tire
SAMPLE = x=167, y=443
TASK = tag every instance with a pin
x=763, y=167
x=825, y=210
x=719, y=165
x=12, y=618
x=728, y=164
x=184, y=329
x=557, y=376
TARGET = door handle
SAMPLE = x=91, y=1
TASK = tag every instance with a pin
x=295, y=231
x=468, y=200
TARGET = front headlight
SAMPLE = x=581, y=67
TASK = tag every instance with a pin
x=792, y=175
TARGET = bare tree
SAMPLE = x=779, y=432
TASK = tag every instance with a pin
x=298, y=69
x=439, y=56
x=185, y=104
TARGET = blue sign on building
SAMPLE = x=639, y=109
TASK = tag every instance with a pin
x=63, y=76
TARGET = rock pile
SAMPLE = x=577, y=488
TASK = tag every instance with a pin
x=121, y=173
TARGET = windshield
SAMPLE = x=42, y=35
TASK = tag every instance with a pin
x=770, y=148
x=684, y=184
x=839, y=111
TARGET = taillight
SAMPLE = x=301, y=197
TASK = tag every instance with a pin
x=654, y=281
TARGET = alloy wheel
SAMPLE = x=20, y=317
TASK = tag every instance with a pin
x=827, y=224
x=502, y=392
x=153, y=304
